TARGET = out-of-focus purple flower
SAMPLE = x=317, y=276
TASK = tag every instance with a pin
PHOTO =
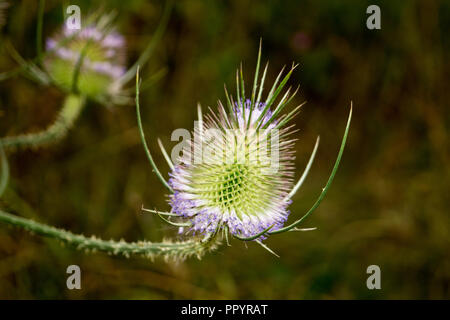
x=301, y=41
x=99, y=55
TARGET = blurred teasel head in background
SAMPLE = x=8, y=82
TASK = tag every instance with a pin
x=89, y=60
x=84, y=61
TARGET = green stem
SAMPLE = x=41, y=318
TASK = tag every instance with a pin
x=176, y=250
x=65, y=120
x=40, y=21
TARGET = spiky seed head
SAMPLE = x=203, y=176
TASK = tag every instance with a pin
x=93, y=57
x=227, y=178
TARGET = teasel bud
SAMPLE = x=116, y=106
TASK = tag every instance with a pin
x=88, y=64
x=88, y=61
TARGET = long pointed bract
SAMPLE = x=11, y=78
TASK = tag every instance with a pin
x=305, y=173
x=166, y=156
x=330, y=179
x=267, y=248
x=256, y=236
x=255, y=84
x=144, y=142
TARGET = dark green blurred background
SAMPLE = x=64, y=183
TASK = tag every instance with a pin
x=389, y=204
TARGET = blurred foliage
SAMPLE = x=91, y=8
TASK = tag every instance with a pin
x=388, y=206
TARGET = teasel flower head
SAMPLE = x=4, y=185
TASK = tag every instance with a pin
x=227, y=180
x=231, y=180
x=89, y=60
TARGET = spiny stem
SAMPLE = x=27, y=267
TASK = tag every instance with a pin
x=65, y=120
x=176, y=250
